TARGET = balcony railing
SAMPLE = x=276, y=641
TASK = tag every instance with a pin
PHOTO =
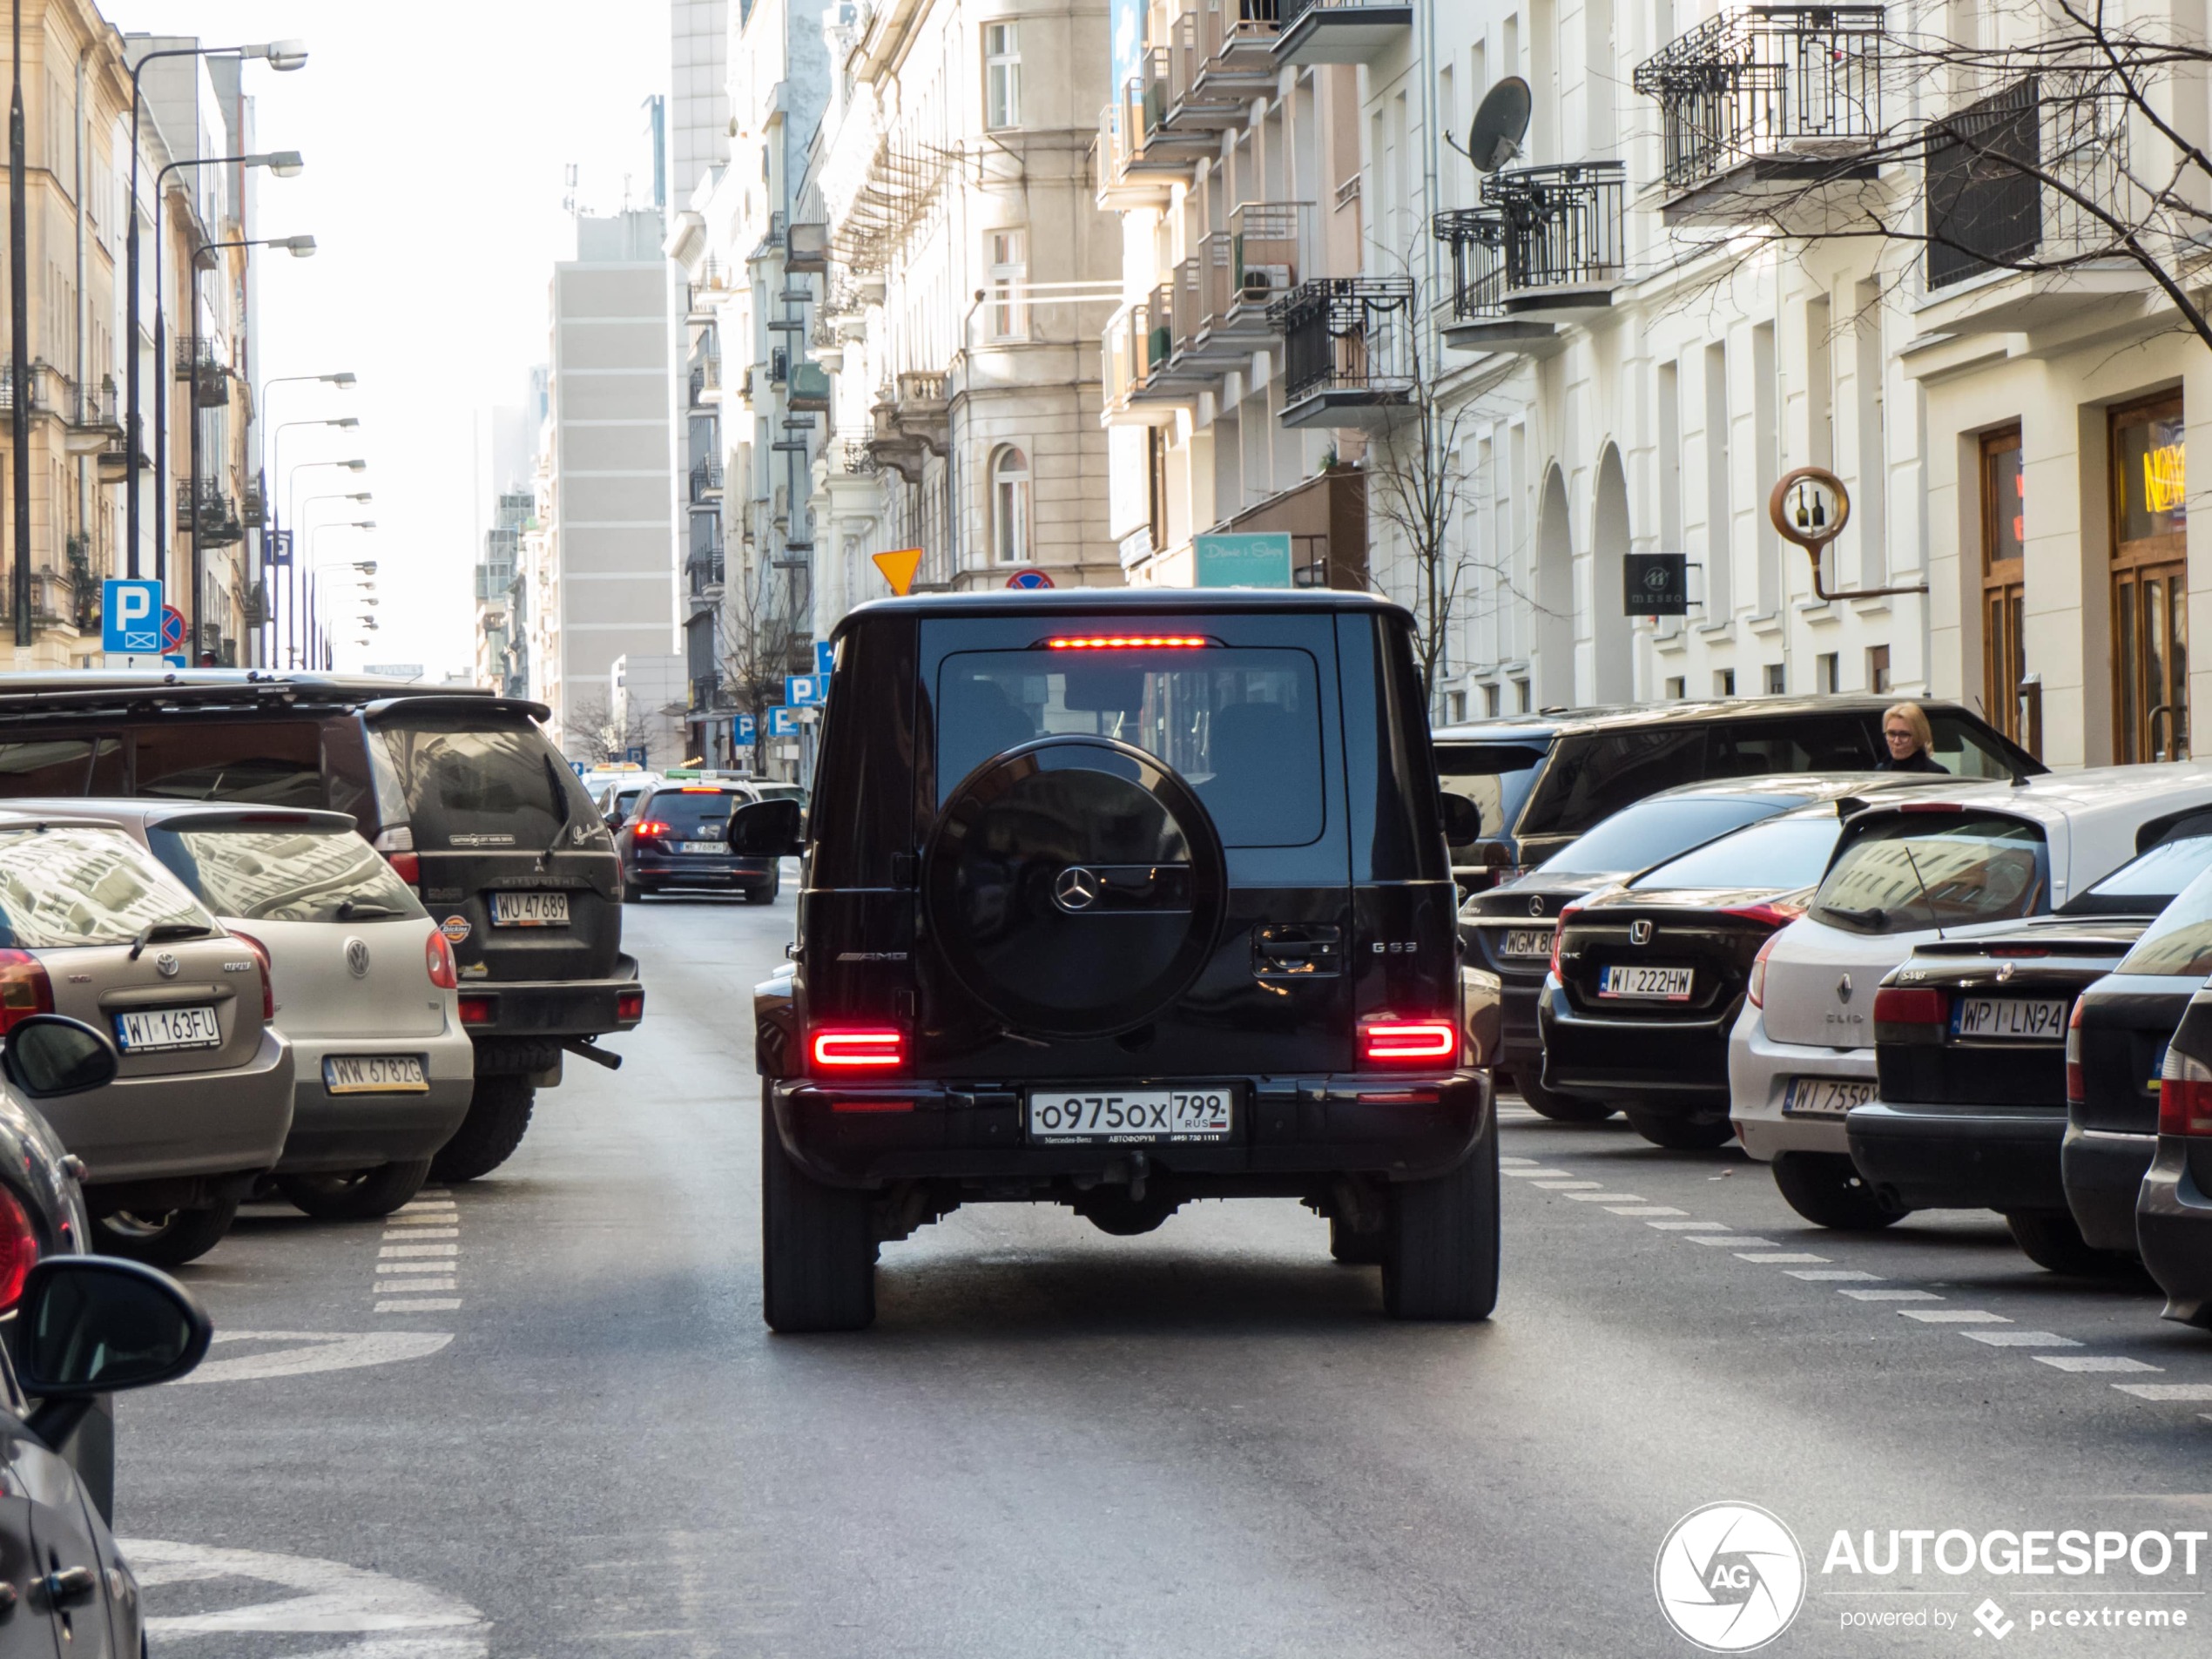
x=1794, y=91
x=703, y=573
x=1235, y=42
x=810, y=389
x=1339, y=31
x=2008, y=176
x=706, y=376
x=1347, y=347
x=217, y=521
x=1269, y=248
x=209, y=372
x=706, y=482
x=1543, y=238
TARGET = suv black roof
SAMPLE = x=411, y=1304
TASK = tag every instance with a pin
x=217, y=688
x=1550, y=722
x=1123, y=601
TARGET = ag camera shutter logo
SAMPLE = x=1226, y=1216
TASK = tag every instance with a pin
x=1730, y=1577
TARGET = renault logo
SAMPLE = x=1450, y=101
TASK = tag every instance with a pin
x=1077, y=888
x=1843, y=988
x=166, y=965
x=357, y=958
x=1535, y=906
x=1639, y=933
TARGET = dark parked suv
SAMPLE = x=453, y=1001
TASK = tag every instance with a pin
x=1119, y=899
x=460, y=789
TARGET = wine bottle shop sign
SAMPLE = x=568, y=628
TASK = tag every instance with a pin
x=1810, y=507
x=1657, y=585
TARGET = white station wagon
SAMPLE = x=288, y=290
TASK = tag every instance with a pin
x=1802, y=1054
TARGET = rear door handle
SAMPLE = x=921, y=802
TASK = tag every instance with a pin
x=69, y=1586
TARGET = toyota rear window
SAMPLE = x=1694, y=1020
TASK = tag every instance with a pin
x=63, y=887
x=1912, y=871
x=1243, y=726
x=1653, y=830
x=476, y=787
x=292, y=874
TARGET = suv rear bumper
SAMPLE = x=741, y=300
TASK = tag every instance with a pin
x=694, y=871
x=1397, y=1127
x=2104, y=1172
x=1938, y=1157
x=1678, y=1064
x=551, y=1008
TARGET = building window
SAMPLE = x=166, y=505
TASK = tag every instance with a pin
x=1776, y=679
x=1002, y=75
x=1877, y=670
x=1010, y=506
x=2149, y=584
x=1723, y=682
x=1824, y=669
x=1490, y=701
x=1009, y=285
x=1455, y=703
x=1678, y=687
x=1520, y=697
x=2004, y=602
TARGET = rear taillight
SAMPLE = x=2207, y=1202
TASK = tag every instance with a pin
x=1755, y=988
x=857, y=1048
x=18, y=1248
x=1397, y=1043
x=437, y=957
x=25, y=988
x=1559, y=929
x=653, y=828
x=397, y=844
x=630, y=1007
x=479, y=1010
x=268, y=974
x=2077, y=1088
x=1911, y=1005
x=2184, y=1096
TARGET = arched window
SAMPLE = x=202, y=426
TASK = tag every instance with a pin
x=1010, y=506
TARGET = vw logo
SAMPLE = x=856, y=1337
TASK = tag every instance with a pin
x=357, y=958
x=166, y=965
x=1076, y=888
x=1843, y=988
x=1639, y=933
x=1535, y=906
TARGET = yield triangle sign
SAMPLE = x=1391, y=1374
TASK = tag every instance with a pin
x=899, y=568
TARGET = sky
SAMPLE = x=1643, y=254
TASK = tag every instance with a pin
x=437, y=139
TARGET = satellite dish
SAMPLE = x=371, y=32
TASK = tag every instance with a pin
x=1500, y=125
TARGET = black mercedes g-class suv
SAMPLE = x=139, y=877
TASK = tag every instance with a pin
x=459, y=789
x=1119, y=898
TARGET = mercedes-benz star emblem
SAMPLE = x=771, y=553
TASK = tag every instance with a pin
x=166, y=965
x=1843, y=988
x=1535, y=906
x=357, y=957
x=1639, y=933
x=1076, y=888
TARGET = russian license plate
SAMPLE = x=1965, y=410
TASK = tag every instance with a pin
x=154, y=1028
x=1824, y=1097
x=1061, y=1117
x=711, y=849
x=1528, y=941
x=374, y=1074
x=529, y=909
x=2012, y=1019
x=1646, y=984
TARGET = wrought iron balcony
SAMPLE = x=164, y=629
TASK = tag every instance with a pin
x=216, y=522
x=706, y=377
x=706, y=482
x=1764, y=102
x=209, y=372
x=1236, y=48
x=1347, y=350
x=1545, y=249
x=810, y=389
x=1339, y=31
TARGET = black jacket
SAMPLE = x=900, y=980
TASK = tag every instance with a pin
x=1921, y=760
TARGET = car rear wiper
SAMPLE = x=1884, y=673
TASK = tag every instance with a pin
x=1872, y=916
x=351, y=907
x=561, y=804
x=156, y=932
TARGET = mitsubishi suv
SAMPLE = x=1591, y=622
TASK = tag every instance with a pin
x=1119, y=899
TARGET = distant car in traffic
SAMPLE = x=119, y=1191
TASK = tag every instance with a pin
x=616, y=800
x=678, y=836
x=1540, y=779
x=92, y=926
x=366, y=992
x=460, y=789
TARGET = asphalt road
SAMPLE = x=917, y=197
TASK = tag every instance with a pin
x=567, y=1432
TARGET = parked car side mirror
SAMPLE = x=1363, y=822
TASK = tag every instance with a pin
x=92, y=1325
x=616, y=819
x=768, y=829
x=49, y=1054
x=1462, y=820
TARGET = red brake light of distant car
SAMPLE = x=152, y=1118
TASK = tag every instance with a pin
x=397, y=844
x=1931, y=807
x=1777, y=914
x=18, y=1248
x=630, y=1007
x=872, y=1105
x=25, y=988
x=437, y=957
x=1127, y=642
x=2077, y=1085
x=2184, y=1096
x=1392, y=1042
x=1755, y=988
x=1571, y=910
x=268, y=974
x=849, y=1047
x=649, y=827
x=478, y=1010
x=1911, y=1005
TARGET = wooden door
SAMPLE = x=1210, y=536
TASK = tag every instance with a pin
x=2004, y=590
x=2149, y=582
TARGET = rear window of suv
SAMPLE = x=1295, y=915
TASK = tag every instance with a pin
x=1912, y=871
x=1242, y=725
x=469, y=785
x=695, y=814
x=1496, y=777
x=285, y=874
x=63, y=887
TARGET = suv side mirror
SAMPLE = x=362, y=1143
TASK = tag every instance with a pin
x=615, y=820
x=768, y=829
x=1462, y=820
x=92, y=1325
x=49, y=1054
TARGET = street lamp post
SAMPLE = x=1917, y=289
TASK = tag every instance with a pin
x=367, y=568
x=283, y=56
x=299, y=576
x=19, y=342
x=343, y=379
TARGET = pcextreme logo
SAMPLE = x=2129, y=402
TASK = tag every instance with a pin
x=1730, y=1577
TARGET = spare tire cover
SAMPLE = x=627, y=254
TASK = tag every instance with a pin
x=1074, y=886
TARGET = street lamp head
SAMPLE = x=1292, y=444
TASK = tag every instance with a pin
x=355, y=465
x=300, y=247
x=344, y=377
x=284, y=164
x=344, y=420
x=285, y=56
x=367, y=567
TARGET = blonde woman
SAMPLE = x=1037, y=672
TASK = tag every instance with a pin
x=1906, y=736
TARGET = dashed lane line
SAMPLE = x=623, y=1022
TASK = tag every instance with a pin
x=2022, y=1338
x=1830, y=1275
x=1776, y=1257
x=1952, y=1316
x=414, y=1262
x=1605, y=1198
x=1688, y=1226
x=2167, y=1390
x=1891, y=1295
x=2092, y=1362
x=1567, y=1186
x=1722, y=1241
x=1644, y=1209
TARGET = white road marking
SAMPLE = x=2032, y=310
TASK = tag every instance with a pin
x=423, y=1217
x=421, y=1305
x=2167, y=1390
x=387, y=1286
x=1952, y=1316
x=412, y=1233
x=1724, y=1240
x=1606, y=1197
x=446, y=1208
x=1828, y=1273
x=1891, y=1295
x=393, y=1618
x=1567, y=1186
x=1645, y=1210
x=1776, y=1257
x=434, y=1264
x=2022, y=1340
x=1537, y=1170
x=419, y=1250
x=2092, y=1362
x=1505, y=1163
x=311, y=1351
x=1688, y=1226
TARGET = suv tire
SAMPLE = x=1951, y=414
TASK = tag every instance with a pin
x=1681, y=1131
x=499, y=1111
x=1440, y=1241
x=817, y=1246
x=165, y=1238
x=355, y=1195
x=1561, y=1108
x=1827, y=1189
x=2052, y=1241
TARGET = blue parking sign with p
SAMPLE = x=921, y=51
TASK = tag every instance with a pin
x=130, y=618
x=783, y=722
x=742, y=731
